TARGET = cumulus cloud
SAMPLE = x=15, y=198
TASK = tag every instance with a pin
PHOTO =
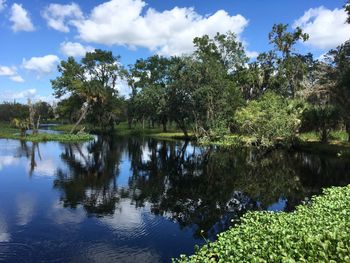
x=12, y=95
x=326, y=28
x=11, y=73
x=74, y=49
x=57, y=16
x=168, y=32
x=20, y=19
x=2, y=5
x=41, y=65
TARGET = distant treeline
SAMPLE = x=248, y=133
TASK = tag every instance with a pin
x=15, y=110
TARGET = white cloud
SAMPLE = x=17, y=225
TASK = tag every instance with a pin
x=168, y=32
x=13, y=95
x=2, y=5
x=251, y=54
x=20, y=19
x=22, y=96
x=57, y=16
x=11, y=73
x=327, y=28
x=74, y=49
x=41, y=65
x=17, y=78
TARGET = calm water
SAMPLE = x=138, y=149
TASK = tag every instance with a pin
x=140, y=200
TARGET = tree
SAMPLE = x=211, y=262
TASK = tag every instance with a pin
x=45, y=110
x=22, y=125
x=11, y=110
x=148, y=79
x=94, y=82
x=270, y=119
x=339, y=75
x=215, y=90
x=291, y=67
x=347, y=9
x=323, y=118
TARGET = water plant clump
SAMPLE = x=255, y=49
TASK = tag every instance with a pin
x=318, y=232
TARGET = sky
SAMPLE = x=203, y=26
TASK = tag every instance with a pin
x=35, y=35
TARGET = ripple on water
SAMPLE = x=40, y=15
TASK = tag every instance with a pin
x=131, y=223
x=104, y=252
x=15, y=252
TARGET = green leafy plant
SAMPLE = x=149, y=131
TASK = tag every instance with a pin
x=270, y=119
x=318, y=232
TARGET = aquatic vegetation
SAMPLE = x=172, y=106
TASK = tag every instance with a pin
x=318, y=232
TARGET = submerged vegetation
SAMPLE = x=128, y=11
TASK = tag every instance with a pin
x=315, y=232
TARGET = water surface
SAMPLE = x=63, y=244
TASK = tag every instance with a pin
x=140, y=199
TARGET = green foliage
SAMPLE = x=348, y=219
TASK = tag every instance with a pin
x=323, y=118
x=347, y=9
x=339, y=74
x=9, y=111
x=92, y=86
x=270, y=119
x=22, y=125
x=313, y=233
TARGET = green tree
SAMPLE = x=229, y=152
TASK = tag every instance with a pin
x=339, y=76
x=347, y=9
x=270, y=119
x=148, y=79
x=323, y=118
x=290, y=67
x=94, y=82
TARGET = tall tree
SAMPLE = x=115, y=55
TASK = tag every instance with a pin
x=94, y=81
x=291, y=67
x=148, y=79
x=339, y=74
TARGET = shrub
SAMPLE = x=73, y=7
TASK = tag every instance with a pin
x=323, y=118
x=313, y=233
x=269, y=119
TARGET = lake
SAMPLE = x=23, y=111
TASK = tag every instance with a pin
x=125, y=199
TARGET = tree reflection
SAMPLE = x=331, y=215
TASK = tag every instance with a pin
x=30, y=150
x=199, y=187
x=91, y=176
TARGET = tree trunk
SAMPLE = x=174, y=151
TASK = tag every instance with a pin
x=35, y=129
x=324, y=136
x=347, y=128
x=182, y=126
x=164, y=124
x=84, y=111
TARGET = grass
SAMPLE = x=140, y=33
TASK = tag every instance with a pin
x=318, y=232
x=338, y=144
x=7, y=132
x=335, y=136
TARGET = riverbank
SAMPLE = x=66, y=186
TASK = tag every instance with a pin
x=307, y=142
x=317, y=232
x=122, y=129
x=7, y=132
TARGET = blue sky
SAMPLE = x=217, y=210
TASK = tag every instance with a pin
x=35, y=35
